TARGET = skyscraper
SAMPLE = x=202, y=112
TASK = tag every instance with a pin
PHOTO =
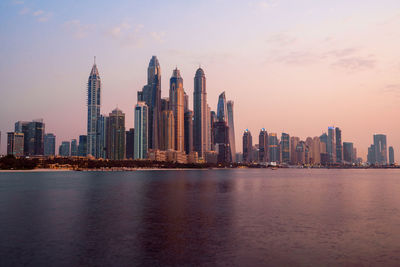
x=339, y=147
x=285, y=148
x=231, y=126
x=151, y=95
x=74, y=148
x=348, y=153
x=130, y=143
x=93, y=105
x=49, y=144
x=116, y=135
x=33, y=136
x=177, y=105
x=391, y=155
x=222, y=110
x=141, y=132
x=273, y=147
x=371, y=157
x=201, y=114
x=82, y=147
x=167, y=126
x=15, y=144
x=188, y=131
x=380, y=149
x=247, y=146
x=101, y=142
x=263, y=146
x=331, y=146
x=293, y=144
x=64, y=149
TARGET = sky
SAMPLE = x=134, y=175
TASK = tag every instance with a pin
x=296, y=66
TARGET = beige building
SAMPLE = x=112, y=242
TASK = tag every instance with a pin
x=177, y=105
x=167, y=130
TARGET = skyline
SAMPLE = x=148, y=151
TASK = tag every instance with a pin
x=349, y=80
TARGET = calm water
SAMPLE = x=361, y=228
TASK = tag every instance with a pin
x=221, y=217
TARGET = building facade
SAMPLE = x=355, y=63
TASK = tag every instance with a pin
x=141, y=131
x=116, y=135
x=201, y=113
x=177, y=105
x=49, y=145
x=15, y=144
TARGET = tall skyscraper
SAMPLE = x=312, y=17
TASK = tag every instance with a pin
x=285, y=148
x=74, y=148
x=348, y=152
x=15, y=144
x=339, y=147
x=49, y=144
x=201, y=114
x=64, y=149
x=293, y=144
x=273, y=147
x=220, y=131
x=188, y=131
x=247, y=146
x=231, y=126
x=177, y=105
x=33, y=136
x=331, y=146
x=130, y=143
x=391, y=155
x=222, y=110
x=151, y=95
x=371, y=157
x=380, y=149
x=82, y=147
x=141, y=132
x=167, y=130
x=116, y=135
x=101, y=140
x=263, y=153
x=93, y=105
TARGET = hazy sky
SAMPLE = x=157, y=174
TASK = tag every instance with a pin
x=297, y=66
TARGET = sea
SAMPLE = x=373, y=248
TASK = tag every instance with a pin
x=222, y=217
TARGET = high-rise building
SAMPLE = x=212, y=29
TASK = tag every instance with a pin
x=339, y=147
x=371, y=157
x=316, y=150
x=285, y=148
x=348, y=149
x=151, y=95
x=301, y=153
x=49, y=144
x=273, y=147
x=15, y=144
x=188, y=131
x=116, y=135
x=222, y=110
x=141, y=131
x=220, y=131
x=231, y=125
x=130, y=143
x=82, y=147
x=331, y=146
x=33, y=136
x=247, y=146
x=293, y=144
x=101, y=140
x=391, y=155
x=201, y=114
x=263, y=153
x=93, y=105
x=186, y=102
x=64, y=149
x=74, y=148
x=177, y=105
x=167, y=126
x=380, y=149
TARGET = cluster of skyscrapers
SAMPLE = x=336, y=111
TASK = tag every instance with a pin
x=327, y=149
x=164, y=128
